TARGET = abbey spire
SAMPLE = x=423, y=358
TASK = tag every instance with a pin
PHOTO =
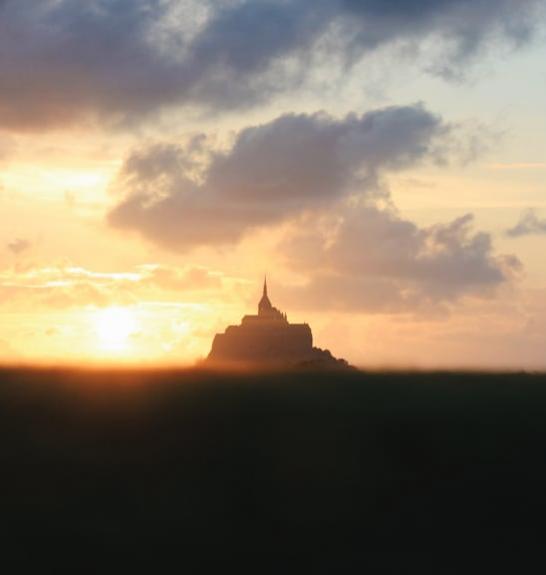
x=265, y=307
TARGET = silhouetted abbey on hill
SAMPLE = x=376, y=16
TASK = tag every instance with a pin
x=269, y=339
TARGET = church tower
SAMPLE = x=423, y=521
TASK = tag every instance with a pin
x=264, y=307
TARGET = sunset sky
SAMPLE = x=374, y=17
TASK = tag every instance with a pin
x=383, y=161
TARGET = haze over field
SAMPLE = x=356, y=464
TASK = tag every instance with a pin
x=383, y=161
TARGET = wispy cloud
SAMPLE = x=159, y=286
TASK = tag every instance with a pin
x=70, y=286
x=529, y=224
x=18, y=246
x=518, y=166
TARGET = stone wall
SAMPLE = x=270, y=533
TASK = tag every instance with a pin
x=263, y=342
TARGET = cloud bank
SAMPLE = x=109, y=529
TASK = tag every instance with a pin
x=377, y=261
x=273, y=172
x=63, y=61
x=327, y=178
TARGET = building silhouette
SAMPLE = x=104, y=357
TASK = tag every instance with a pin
x=268, y=338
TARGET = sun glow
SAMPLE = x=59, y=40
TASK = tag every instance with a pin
x=114, y=327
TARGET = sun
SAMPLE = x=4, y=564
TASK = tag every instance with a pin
x=114, y=327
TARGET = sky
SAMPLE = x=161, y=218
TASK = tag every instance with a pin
x=382, y=161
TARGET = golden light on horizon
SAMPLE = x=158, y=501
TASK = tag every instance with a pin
x=114, y=327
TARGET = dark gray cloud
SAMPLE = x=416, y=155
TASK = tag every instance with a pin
x=273, y=172
x=529, y=224
x=378, y=261
x=18, y=246
x=64, y=60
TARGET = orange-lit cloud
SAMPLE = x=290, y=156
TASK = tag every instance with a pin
x=69, y=287
x=153, y=313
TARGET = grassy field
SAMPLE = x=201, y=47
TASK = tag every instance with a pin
x=333, y=472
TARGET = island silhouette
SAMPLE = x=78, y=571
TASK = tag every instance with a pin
x=268, y=339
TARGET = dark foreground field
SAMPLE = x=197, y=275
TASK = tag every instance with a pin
x=329, y=473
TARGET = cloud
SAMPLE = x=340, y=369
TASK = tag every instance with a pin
x=376, y=261
x=64, y=61
x=61, y=287
x=273, y=172
x=529, y=224
x=518, y=166
x=326, y=179
x=18, y=246
x=169, y=278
